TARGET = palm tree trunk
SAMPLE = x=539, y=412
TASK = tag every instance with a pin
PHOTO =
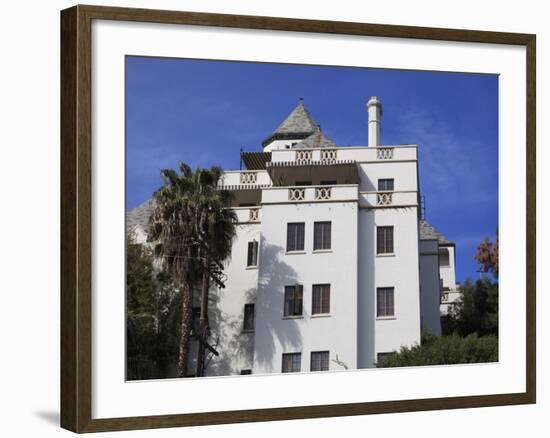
x=185, y=329
x=203, y=322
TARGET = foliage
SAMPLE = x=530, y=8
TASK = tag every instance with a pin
x=487, y=255
x=152, y=316
x=192, y=231
x=444, y=350
x=476, y=311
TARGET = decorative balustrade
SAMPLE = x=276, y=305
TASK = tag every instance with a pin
x=254, y=215
x=304, y=156
x=384, y=153
x=329, y=156
x=384, y=198
x=248, y=177
x=296, y=194
x=323, y=193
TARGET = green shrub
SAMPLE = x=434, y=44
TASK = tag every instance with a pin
x=445, y=350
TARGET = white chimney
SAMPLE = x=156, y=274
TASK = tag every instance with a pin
x=374, y=109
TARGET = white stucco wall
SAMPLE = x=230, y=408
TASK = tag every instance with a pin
x=400, y=271
x=226, y=310
x=336, y=332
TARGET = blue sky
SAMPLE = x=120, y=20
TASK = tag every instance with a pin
x=202, y=112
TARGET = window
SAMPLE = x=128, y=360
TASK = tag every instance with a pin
x=292, y=362
x=384, y=240
x=381, y=356
x=321, y=235
x=385, y=301
x=303, y=183
x=319, y=360
x=293, y=300
x=444, y=257
x=246, y=372
x=321, y=299
x=328, y=183
x=295, y=236
x=385, y=185
x=252, y=258
x=248, y=323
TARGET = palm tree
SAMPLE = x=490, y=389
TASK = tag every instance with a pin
x=193, y=230
x=216, y=232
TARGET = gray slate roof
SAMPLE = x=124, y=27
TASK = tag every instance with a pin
x=298, y=123
x=428, y=232
x=139, y=216
x=317, y=140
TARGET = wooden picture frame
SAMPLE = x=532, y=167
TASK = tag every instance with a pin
x=76, y=217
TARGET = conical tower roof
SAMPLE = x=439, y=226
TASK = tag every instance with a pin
x=298, y=125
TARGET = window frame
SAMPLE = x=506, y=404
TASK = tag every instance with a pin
x=383, y=311
x=254, y=255
x=321, y=352
x=294, y=299
x=296, y=240
x=383, y=247
x=384, y=181
x=323, y=227
x=323, y=290
x=292, y=357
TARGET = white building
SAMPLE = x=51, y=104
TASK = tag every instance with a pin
x=331, y=267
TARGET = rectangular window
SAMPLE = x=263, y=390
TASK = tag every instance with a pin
x=385, y=185
x=319, y=360
x=385, y=301
x=248, y=324
x=321, y=299
x=252, y=258
x=246, y=372
x=328, y=183
x=444, y=259
x=381, y=356
x=384, y=240
x=293, y=300
x=321, y=235
x=303, y=183
x=295, y=233
x=292, y=362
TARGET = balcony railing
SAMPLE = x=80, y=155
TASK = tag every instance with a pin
x=384, y=153
x=323, y=193
x=329, y=156
x=280, y=195
x=295, y=194
x=384, y=198
x=304, y=156
x=248, y=177
x=247, y=214
x=254, y=215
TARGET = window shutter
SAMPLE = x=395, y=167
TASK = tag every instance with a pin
x=298, y=299
x=290, y=237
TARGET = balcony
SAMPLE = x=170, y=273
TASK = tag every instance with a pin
x=389, y=199
x=247, y=214
x=325, y=156
x=277, y=195
x=245, y=179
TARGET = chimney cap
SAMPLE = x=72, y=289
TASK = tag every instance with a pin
x=373, y=101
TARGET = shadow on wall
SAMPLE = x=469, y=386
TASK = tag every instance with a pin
x=271, y=330
x=233, y=344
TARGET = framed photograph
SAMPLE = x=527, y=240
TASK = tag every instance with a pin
x=270, y=218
